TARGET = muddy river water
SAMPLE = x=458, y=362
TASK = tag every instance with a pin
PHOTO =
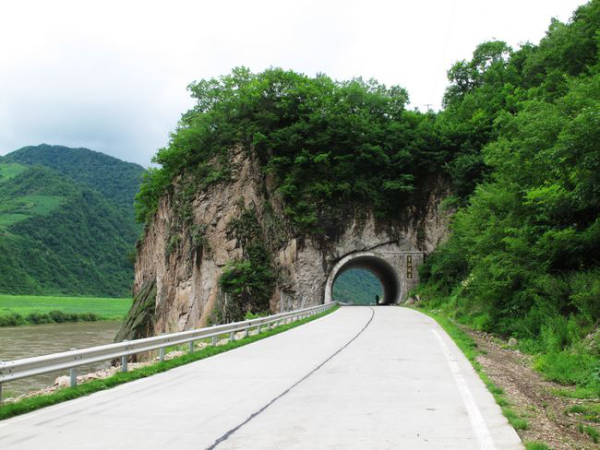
x=37, y=340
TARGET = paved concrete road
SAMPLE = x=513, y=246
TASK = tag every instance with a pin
x=361, y=378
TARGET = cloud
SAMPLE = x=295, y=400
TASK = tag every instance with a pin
x=112, y=76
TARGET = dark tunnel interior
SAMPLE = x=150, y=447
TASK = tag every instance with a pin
x=382, y=270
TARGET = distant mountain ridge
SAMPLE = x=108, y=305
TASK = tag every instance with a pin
x=67, y=222
x=117, y=180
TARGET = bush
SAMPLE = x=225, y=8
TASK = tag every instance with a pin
x=89, y=317
x=586, y=294
x=58, y=316
x=36, y=318
x=12, y=320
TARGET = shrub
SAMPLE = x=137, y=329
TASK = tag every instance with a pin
x=38, y=318
x=586, y=294
x=58, y=316
x=12, y=320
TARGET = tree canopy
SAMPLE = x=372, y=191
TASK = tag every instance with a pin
x=329, y=144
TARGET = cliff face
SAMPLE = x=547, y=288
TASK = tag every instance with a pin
x=179, y=262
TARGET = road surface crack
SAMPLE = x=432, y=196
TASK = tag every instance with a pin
x=252, y=416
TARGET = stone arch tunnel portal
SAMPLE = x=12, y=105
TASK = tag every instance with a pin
x=384, y=271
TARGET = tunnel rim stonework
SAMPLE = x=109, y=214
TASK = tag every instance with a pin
x=377, y=264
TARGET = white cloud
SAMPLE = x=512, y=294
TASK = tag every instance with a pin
x=112, y=75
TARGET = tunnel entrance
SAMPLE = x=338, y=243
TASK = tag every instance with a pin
x=382, y=269
x=357, y=287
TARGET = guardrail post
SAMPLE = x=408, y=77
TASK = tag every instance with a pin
x=161, y=354
x=0, y=393
x=258, y=329
x=73, y=375
x=124, y=361
x=214, y=341
x=246, y=332
x=191, y=347
x=232, y=336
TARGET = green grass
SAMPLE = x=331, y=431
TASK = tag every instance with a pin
x=569, y=368
x=514, y=419
x=579, y=393
x=39, y=204
x=33, y=403
x=536, y=446
x=10, y=170
x=6, y=220
x=589, y=411
x=107, y=308
x=25, y=206
x=590, y=431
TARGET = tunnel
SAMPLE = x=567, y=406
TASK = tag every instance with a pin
x=383, y=270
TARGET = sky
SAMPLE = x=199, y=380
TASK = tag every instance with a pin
x=112, y=76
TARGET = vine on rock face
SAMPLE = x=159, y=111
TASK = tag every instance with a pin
x=247, y=283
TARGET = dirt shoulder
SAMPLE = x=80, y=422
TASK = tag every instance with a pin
x=548, y=414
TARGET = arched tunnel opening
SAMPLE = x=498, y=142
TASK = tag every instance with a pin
x=383, y=271
x=357, y=287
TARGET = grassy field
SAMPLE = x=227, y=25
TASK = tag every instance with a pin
x=11, y=170
x=24, y=305
x=26, y=206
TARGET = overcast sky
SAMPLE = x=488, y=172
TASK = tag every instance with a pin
x=112, y=75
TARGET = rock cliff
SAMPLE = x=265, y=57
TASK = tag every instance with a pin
x=196, y=233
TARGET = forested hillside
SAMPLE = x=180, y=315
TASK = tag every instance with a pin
x=117, y=180
x=524, y=256
x=60, y=236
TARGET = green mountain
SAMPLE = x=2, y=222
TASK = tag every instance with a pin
x=357, y=286
x=59, y=235
x=117, y=180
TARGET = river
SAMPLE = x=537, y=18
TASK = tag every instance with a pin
x=37, y=340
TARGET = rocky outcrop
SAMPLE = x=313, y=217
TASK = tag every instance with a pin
x=190, y=241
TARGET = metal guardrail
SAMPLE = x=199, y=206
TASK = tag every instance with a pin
x=38, y=365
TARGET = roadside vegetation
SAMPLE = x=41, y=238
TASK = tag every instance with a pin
x=34, y=310
x=26, y=405
x=522, y=260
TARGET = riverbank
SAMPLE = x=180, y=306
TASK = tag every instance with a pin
x=28, y=341
x=18, y=310
x=115, y=378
